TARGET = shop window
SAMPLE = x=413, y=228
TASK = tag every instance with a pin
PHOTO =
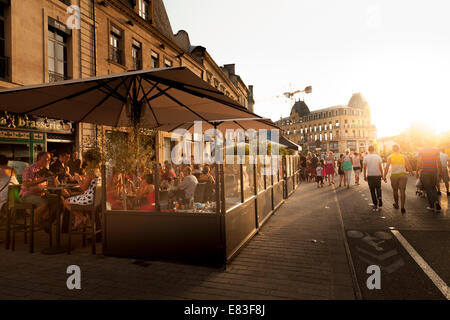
x=116, y=45
x=57, y=55
x=136, y=53
x=155, y=60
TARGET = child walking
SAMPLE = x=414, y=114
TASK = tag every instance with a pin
x=320, y=172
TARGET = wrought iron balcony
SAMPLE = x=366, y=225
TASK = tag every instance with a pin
x=55, y=77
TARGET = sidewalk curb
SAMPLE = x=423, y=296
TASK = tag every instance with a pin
x=356, y=288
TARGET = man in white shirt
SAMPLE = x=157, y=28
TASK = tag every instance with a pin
x=373, y=173
x=445, y=161
x=186, y=188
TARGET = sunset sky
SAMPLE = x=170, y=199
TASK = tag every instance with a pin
x=396, y=53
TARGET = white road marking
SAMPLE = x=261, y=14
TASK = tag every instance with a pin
x=438, y=282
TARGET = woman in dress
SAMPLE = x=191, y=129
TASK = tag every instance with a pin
x=356, y=162
x=88, y=184
x=114, y=190
x=340, y=170
x=146, y=193
x=347, y=166
x=329, y=168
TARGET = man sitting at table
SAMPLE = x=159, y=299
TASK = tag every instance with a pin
x=33, y=179
x=186, y=189
x=59, y=166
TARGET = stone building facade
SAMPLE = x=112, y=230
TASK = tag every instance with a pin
x=50, y=40
x=331, y=129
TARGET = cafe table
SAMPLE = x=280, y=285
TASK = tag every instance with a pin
x=57, y=249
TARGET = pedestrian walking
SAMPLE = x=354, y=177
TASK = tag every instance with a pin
x=340, y=170
x=373, y=173
x=329, y=168
x=356, y=162
x=347, y=166
x=320, y=172
x=445, y=163
x=399, y=164
x=429, y=169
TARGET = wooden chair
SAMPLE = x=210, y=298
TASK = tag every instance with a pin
x=199, y=195
x=21, y=210
x=91, y=230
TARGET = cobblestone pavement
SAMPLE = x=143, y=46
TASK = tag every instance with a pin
x=298, y=254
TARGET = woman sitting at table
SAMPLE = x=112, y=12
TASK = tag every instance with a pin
x=114, y=190
x=88, y=185
x=7, y=177
x=146, y=193
x=206, y=176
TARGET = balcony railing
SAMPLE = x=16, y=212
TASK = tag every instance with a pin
x=4, y=67
x=55, y=77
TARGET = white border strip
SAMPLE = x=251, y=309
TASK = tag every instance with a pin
x=438, y=282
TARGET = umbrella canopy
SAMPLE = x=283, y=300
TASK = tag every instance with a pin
x=153, y=98
x=222, y=125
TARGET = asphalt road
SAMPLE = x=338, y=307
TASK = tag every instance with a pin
x=371, y=242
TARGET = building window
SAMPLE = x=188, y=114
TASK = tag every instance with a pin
x=331, y=126
x=3, y=59
x=315, y=137
x=155, y=60
x=337, y=124
x=167, y=63
x=144, y=9
x=136, y=53
x=57, y=55
x=320, y=137
x=331, y=136
x=116, y=44
x=90, y=8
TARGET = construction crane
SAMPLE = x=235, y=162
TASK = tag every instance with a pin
x=289, y=95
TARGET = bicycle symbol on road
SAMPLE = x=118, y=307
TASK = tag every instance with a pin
x=373, y=252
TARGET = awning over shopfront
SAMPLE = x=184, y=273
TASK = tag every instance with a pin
x=153, y=98
x=289, y=144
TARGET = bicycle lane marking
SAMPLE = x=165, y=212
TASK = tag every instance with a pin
x=432, y=275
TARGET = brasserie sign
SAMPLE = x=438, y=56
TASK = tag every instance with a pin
x=15, y=121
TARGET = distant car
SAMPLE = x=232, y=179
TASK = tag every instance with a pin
x=18, y=166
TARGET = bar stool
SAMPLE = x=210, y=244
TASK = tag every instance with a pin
x=4, y=219
x=91, y=230
x=25, y=211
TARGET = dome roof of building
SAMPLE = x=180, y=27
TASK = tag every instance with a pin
x=358, y=101
x=301, y=108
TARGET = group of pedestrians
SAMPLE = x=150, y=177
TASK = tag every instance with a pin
x=432, y=167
